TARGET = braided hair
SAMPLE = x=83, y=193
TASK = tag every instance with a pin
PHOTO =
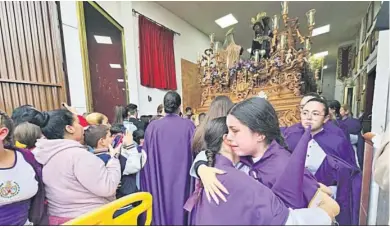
x=213, y=137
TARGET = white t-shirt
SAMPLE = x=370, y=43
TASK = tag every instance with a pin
x=17, y=183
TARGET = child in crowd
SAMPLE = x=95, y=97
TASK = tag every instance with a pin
x=117, y=130
x=139, y=136
x=131, y=159
x=98, y=139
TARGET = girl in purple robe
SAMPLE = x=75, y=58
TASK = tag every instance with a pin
x=249, y=203
x=264, y=160
x=329, y=159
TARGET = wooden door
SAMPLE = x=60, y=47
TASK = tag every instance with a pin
x=31, y=61
x=108, y=83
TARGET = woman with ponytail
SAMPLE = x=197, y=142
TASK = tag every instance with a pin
x=76, y=181
x=249, y=203
x=256, y=137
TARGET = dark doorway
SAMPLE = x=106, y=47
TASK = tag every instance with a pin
x=106, y=62
x=370, y=87
x=349, y=96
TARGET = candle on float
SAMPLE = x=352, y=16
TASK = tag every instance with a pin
x=285, y=7
x=275, y=22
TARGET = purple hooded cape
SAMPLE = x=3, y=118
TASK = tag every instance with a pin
x=293, y=194
x=165, y=175
x=335, y=170
x=330, y=138
x=248, y=202
x=270, y=167
x=354, y=127
x=337, y=127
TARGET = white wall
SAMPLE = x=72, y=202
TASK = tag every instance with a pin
x=381, y=105
x=328, y=85
x=186, y=46
x=339, y=91
x=73, y=55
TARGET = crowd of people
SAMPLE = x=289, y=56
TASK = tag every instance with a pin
x=236, y=166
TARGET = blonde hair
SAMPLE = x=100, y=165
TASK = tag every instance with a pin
x=96, y=119
x=346, y=107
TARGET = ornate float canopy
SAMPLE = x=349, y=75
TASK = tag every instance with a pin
x=277, y=67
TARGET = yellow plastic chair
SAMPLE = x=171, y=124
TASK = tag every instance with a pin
x=104, y=215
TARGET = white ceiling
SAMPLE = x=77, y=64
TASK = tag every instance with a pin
x=344, y=19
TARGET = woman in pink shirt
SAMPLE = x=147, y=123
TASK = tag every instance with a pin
x=76, y=181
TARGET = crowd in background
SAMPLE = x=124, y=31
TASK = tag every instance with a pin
x=57, y=165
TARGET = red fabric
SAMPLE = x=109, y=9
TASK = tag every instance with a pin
x=157, y=58
x=83, y=122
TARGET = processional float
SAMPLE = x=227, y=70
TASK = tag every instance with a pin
x=277, y=69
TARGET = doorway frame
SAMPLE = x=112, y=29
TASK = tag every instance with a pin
x=84, y=49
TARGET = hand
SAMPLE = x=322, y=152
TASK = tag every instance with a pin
x=329, y=205
x=211, y=185
x=71, y=109
x=326, y=189
x=128, y=138
x=114, y=152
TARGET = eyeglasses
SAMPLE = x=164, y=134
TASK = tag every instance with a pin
x=314, y=114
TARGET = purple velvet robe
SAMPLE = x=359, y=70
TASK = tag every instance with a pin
x=269, y=168
x=338, y=168
x=248, y=202
x=331, y=137
x=165, y=175
x=337, y=127
x=354, y=127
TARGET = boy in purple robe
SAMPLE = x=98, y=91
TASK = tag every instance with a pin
x=264, y=161
x=252, y=203
x=168, y=148
x=354, y=128
x=329, y=159
x=335, y=117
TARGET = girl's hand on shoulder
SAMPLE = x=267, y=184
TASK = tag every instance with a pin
x=212, y=186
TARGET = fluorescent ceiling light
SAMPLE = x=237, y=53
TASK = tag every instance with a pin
x=321, y=54
x=115, y=66
x=320, y=30
x=249, y=50
x=102, y=39
x=325, y=67
x=226, y=21
x=120, y=80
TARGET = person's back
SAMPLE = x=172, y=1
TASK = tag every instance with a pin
x=248, y=202
x=70, y=174
x=168, y=148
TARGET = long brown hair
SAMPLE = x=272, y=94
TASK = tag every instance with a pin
x=219, y=107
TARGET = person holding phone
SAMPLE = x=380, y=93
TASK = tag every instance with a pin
x=76, y=181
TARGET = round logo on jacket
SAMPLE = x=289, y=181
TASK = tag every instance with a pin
x=9, y=189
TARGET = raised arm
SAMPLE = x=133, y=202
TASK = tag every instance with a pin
x=100, y=179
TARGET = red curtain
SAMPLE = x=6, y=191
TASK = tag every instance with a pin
x=157, y=58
